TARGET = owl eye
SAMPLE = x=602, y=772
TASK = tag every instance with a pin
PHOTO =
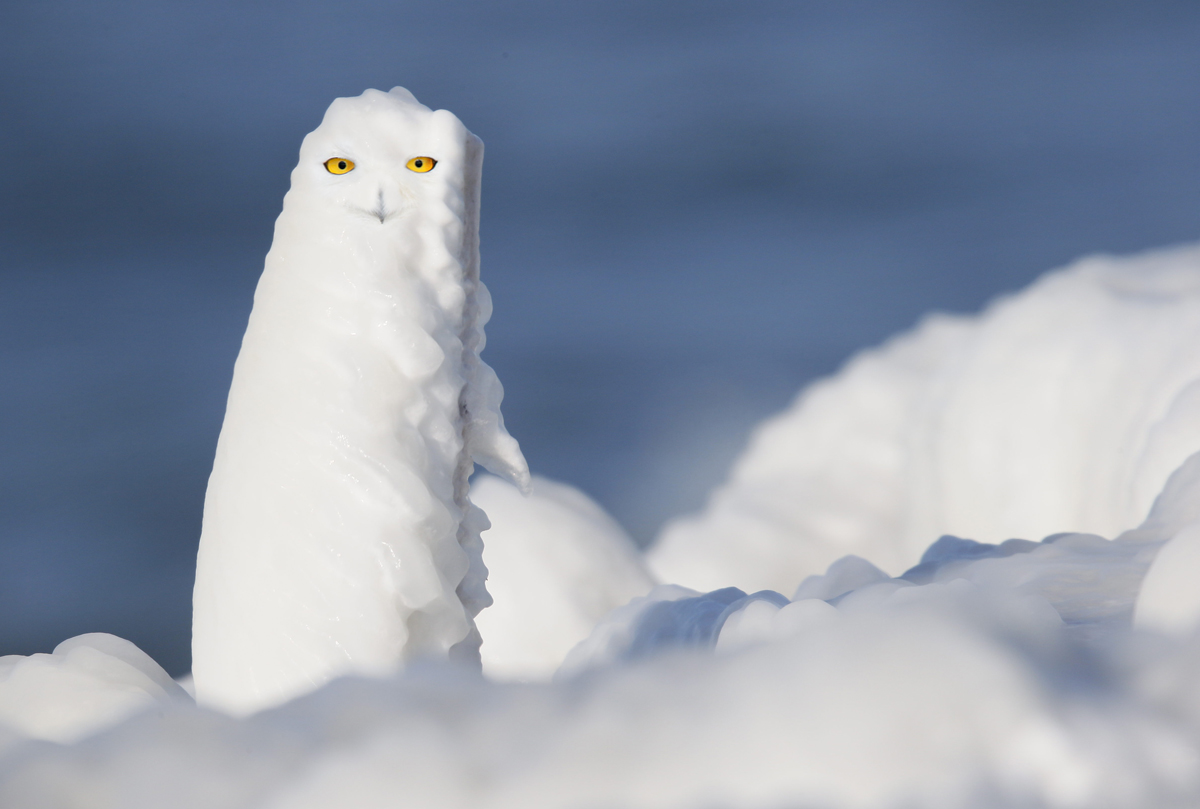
x=421, y=164
x=339, y=165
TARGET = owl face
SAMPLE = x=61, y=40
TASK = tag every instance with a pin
x=378, y=159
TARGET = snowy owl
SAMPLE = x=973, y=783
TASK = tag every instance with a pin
x=338, y=535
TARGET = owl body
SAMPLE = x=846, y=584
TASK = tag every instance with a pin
x=338, y=535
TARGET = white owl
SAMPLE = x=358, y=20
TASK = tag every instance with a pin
x=338, y=535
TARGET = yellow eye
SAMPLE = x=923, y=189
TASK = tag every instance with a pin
x=421, y=164
x=339, y=165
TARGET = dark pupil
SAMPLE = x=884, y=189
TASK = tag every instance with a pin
x=341, y=164
x=419, y=163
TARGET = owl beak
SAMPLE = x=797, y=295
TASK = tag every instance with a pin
x=380, y=210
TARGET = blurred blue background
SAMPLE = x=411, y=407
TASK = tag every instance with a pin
x=690, y=209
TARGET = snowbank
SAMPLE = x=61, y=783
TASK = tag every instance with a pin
x=557, y=564
x=1085, y=584
x=1061, y=408
x=987, y=674
x=1169, y=599
x=88, y=683
x=948, y=694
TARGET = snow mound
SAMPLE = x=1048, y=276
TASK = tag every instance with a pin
x=1061, y=408
x=988, y=675
x=939, y=695
x=1083, y=583
x=1169, y=600
x=983, y=672
x=88, y=683
x=557, y=564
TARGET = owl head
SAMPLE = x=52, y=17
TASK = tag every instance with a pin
x=380, y=158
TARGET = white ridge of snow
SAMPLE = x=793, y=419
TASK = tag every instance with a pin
x=338, y=534
x=1169, y=599
x=990, y=676
x=943, y=695
x=88, y=683
x=557, y=564
x=1064, y=407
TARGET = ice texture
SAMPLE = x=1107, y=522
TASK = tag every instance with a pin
x=557, y=564
x=338, y=534
x=1061, y=408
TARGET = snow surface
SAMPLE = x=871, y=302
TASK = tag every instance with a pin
x=1169, y=599
x=963, y=691
x=88, y=683
x=1170, y=596
x=987, y=674
x=872, y=636
x=338, y=535
x=1062, y=408
x=557, y=564
x=1083, y=584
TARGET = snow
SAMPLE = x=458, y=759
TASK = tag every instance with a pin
x=1083, y=584
x=957, y=574
x=1169, y=600
x=1062, y=408
x=938, y=695
x=986, y=674
x=338, y=535
x=88, y=683
x=557, y=564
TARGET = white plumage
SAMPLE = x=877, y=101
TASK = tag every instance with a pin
x=338, y=536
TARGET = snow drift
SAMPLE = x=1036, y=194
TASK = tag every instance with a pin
x=1062, y=408
x=88, y=683
x=970, y=670
x=992, y=676
x=557, y=564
